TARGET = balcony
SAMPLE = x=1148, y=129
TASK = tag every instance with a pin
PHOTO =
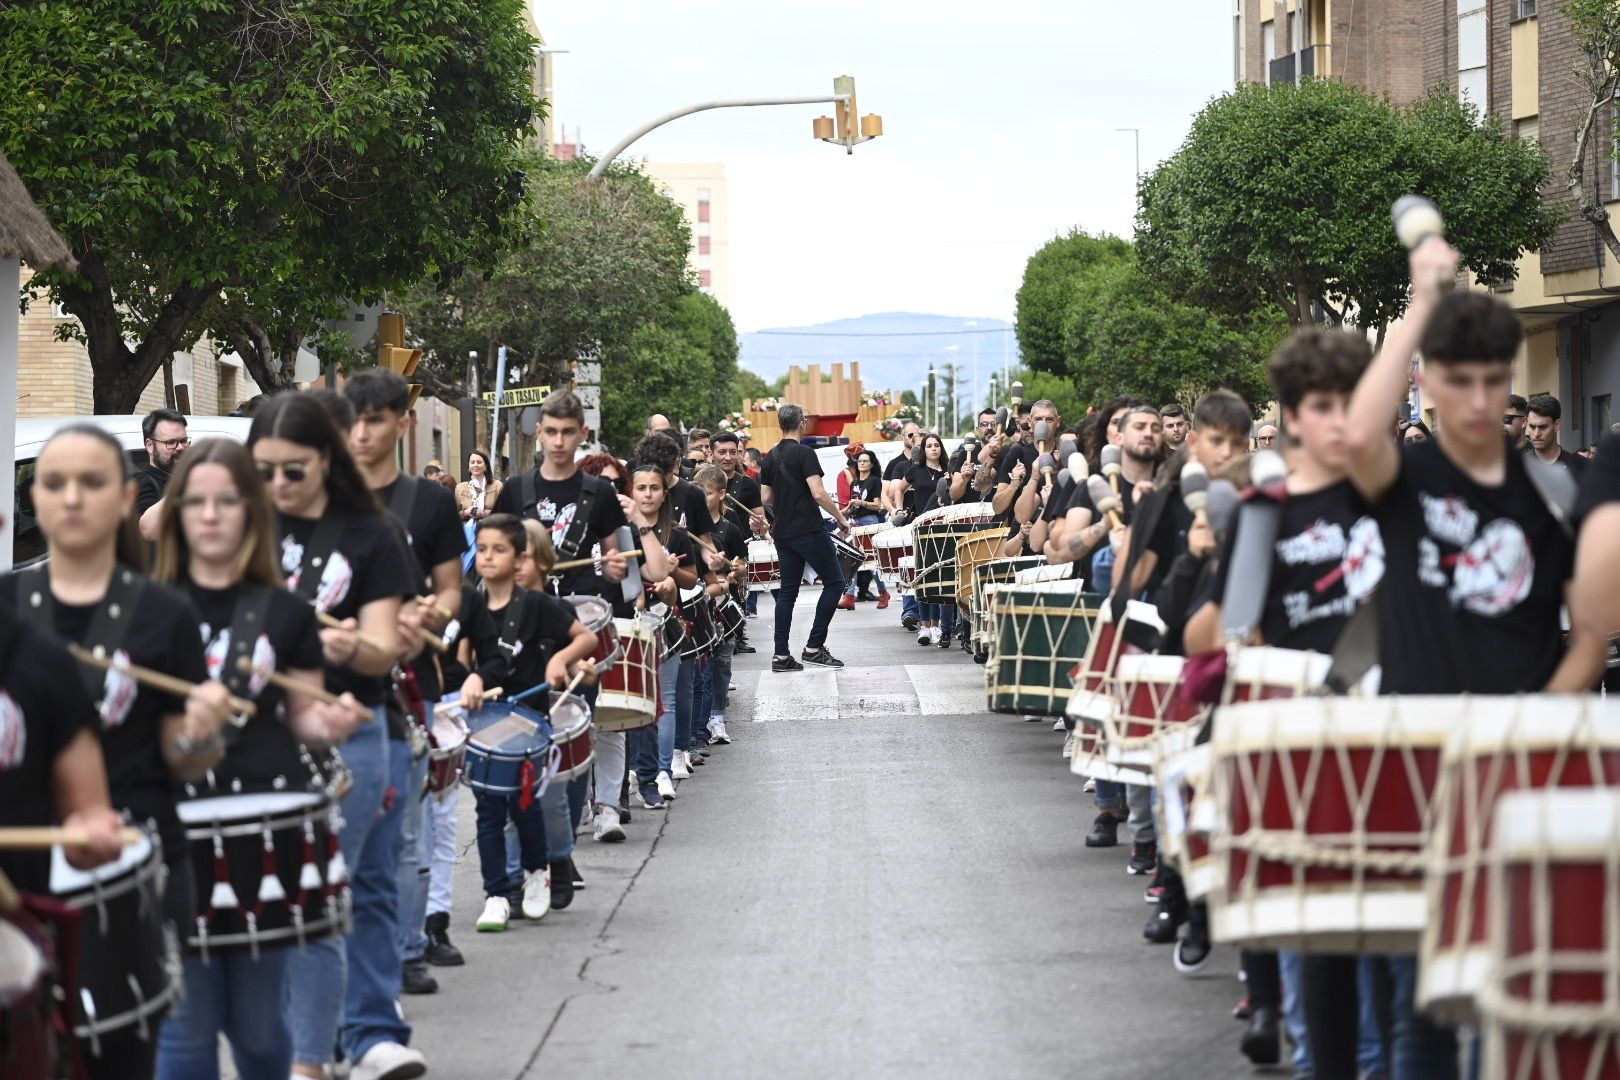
x=1283, y=68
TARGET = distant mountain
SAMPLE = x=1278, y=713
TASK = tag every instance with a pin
x=894, y=348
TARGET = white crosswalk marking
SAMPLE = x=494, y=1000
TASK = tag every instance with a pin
x=811, y=694
x=853, y=693
x=948, y=689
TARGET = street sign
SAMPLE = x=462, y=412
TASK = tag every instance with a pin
x=589, y=396
x=518, y=397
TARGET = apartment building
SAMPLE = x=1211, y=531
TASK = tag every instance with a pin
x=1515, y=60
x=701, y=191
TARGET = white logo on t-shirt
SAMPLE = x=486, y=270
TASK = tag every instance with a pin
x=217, y=649
x=1491, y=573
x=13, y=732
x=336, y=575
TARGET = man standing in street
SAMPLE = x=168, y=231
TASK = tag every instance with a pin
x=749, y=516
x=790, y=483
x=1542, y=426
x=165, y=433
x=899, y=465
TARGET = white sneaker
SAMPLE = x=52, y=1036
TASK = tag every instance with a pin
x=634, y=783
x=1057, y=725
x=497, y=915
x=923, y=636
x=717, y=730
x=679, y=768
x=536, y=894
x=389, y=1061
x=1069, y=742
x=666, y=786
x=608, y=829
x=933, y=635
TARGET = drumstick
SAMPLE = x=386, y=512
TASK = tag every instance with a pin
x=751, y=511
x=37, y=837
x=1195, y=490
x=157, y=680
x=1109, y=459
x=576, y=564
x=1106, y=501
x=454, y=704
x=434, y=605
x=10, y=900
x=359, y=635
x=287, y=682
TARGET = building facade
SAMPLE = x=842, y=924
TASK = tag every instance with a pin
x=701, y=192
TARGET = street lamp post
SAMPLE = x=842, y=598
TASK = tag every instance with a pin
x=934, y=386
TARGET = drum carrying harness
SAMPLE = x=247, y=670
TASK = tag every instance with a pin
x=109, y=626
x=572, y=545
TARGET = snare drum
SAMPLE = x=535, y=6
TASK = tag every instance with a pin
x=571, y=734
x=1550, y=1003
x=1325, y=805
x=597, y=616
x=864, y=537
x=267, y=870
x=447, y=750
x=702, y=629
x=764, y=568
x=890, y=546
x=728, y=612
x=628, y=698
x=1041, y=634
x=850, y=557
x=972, y=551
x=509, y=751
x=28, y=987
x=1153, y=719
x=1509, y=743
x=128, y=975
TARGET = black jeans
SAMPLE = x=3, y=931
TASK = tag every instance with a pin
x=793, y=553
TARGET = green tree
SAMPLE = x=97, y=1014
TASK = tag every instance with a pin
x=683, y=365
x=1596, y=25
x=745, y=386
x=1044, y=296
x=1281, y=195
x=586, y=266
x=280, y=150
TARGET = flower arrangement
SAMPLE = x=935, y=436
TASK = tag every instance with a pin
x=875, y=399
x=891, y=428
x=769, y=404
x=735, y=422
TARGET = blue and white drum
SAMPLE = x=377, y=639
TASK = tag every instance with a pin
x=509, y=750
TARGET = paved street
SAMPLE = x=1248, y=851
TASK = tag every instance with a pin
x=876, y=879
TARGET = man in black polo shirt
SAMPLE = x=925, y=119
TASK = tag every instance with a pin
x=165, y=433
x=790, y=484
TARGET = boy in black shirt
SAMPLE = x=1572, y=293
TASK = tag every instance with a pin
x=541, y=641
x=1476, y=562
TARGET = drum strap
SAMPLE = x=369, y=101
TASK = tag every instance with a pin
x=401, y=503
x=512, y=623
x=572, y=545
x=1357, y=648
x=247, y=623
x=322, y=543
x=109, y=626
x=1151, y=510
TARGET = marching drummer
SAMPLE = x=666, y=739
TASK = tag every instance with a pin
x=541, y=643
x=919, y=489
x=731, y=542
x=216, y=541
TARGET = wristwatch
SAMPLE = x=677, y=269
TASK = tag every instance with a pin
x=644, y=530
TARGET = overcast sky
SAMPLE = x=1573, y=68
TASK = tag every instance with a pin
x=1000, y=123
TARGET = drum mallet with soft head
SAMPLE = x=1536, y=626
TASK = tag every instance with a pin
x=1416, y=219
x=1195, y=490
x=1105, y=499
x=1110, y=461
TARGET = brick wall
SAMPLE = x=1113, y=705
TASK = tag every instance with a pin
x=1575, y=245
x=1439, y=33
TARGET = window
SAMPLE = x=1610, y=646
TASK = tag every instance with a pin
x=1526, y=9
x=1268, y=47
x=703, y=245
x=1529, y=128
x=706, y=279
x=1472, y=48
x=703, y=210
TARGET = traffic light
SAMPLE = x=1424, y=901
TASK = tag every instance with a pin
x=846, y=127
x=393, y=354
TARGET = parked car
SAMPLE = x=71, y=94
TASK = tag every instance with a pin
x=28, y=545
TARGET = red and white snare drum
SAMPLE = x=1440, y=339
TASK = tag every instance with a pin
x=1185, y=814
x=764, y=568
x=1550, y=1004
x=1153, y=718
x=890, y=546
x=29, y=981
x=571, y=735
x=597, y=616
x=1325, y=805
x=447, y=748
x=628, y=698
x=1510, y=743
x=1094, y=699
x=864, y=537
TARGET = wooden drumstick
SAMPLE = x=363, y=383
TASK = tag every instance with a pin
x=432, y=604
x=751, y=511
x=38, y=837
x=287, y=682
x=10, y=899
x=576, y=564
x=157, y=680
x=359, y=635
x=450, y=706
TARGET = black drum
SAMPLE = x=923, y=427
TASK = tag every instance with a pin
x=671, y=629
x=702, y=628
x=728, y=611
x=128, y=972
x=850, y=557
x=268, y=870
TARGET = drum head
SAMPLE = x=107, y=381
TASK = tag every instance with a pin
x=595, y=612
x=70, y=879
x=508, y=728
x=449, y=729
x=246, y=806
x=569, y=716
x=21, y=963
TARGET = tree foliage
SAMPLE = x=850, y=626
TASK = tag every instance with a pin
x=683, y=364
x=277, y=150
x=1596, y=25
x=1044, y=296
x=1281, y=195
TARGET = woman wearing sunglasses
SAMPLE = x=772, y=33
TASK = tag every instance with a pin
x=341, y=553
x=90, y=593
x=217, y=543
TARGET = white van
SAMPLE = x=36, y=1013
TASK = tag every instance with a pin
x=28, y=545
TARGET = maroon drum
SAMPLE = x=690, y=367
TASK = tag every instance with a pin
x=628, y=698
x=447, y=749
x=571, y=735
x=597, y=616
x=27, y=999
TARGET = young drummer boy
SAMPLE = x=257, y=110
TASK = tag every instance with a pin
x=540, y=642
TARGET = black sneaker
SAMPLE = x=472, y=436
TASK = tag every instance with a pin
x=785, y=663
x=573, y=872
x=909, y=622
x=1104, y=831
x=418, y=979
x=1193, y=950
x=944, y=641
x=743, y=647
x=1167, y=918
x=440, y=953
x=1144, y=857
x=1262, y=1043
x=562, y=886
x=821, y=658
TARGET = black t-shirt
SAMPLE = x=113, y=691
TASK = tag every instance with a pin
x=1169, y=537
x=1574, y=463
x=542, y=625
x=897, y=467
x=1322, y=566
x=691, y=508
x=474, y=625
x=1474, y=580
x=923, y=483
x=368, y=564
x=682, y=553
x=43, y=708
x=745, y=489
x=729, y=540
x=787, y=470
x=162, y=635
x=867, y=490
x=436, y=536
x=150, y=483
x=555, y=504
x=264, y=750
x=1058, y=503
x=1601, y=482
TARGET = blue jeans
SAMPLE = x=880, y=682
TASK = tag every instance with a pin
x=235, y=994
x=494, y=812
x=1292, y=966
x=1110, y=796
x=909, y=606
x=702, y=699
x=685, y=698
x=1423, y=1050
x=1370, y=1049
x=414, y=870
x=794, y=552
x=356, y=979
x=720, y=679
x=652, y=748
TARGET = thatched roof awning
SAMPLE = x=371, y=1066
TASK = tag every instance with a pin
x=25, y=233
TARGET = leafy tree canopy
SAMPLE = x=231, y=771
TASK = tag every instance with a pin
x=1044, y=296
x=684, y=364
x=187, y=148
x=1281, y=195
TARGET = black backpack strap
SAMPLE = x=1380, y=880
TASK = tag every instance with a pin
x=402, y=501
x=577, y=540
x=528, y=496
x=248, y=621
x=322, y=543
x=109, y=627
